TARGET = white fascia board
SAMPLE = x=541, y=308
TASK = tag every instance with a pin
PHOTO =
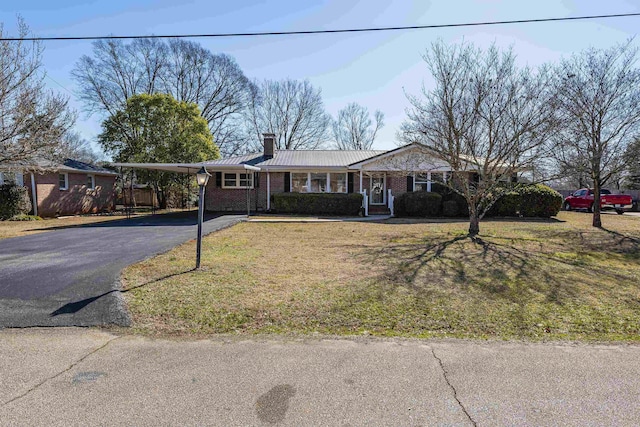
x=191, y=168
x=305, y=168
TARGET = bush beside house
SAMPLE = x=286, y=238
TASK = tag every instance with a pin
x=14, y=200
x=525, y=200
x=317, y=203
x=418, y=203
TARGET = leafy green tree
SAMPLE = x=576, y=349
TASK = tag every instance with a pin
x=158, y=129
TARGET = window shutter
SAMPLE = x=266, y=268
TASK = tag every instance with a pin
x=218, y=179
x=409, y=183
x=256, y=179
x=287, y=182
x=350, y=182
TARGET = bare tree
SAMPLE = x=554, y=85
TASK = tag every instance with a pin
x=485, y=118
x=32, y=119
x=293, y=110
x=73, y=146
x=599, y=98
x=354, y=130
x=116, y=71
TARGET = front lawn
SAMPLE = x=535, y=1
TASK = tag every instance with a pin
x=556, y=279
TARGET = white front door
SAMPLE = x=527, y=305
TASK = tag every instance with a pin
x=378, y=196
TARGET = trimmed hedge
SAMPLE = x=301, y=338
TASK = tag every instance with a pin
x=462, y=207
x=418, y=203
x=14, y=201
x=317, y=203
x=524, y=200
x=535, y=200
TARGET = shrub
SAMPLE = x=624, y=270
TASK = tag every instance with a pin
x=534, y=200
x=14, y=201
x=539, y=201
x=418, y=203
x=507, y=205
x=450, y=208
x=449, y=195
x=22, y=217
x=317, y=203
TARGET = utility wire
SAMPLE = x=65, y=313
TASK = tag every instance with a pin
x=349, y=30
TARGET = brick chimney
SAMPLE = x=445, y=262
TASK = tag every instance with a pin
x=269, y=145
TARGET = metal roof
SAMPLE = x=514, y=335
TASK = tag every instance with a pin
x=300, y=159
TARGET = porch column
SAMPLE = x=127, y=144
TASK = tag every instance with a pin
x=429, y=181
x=34, y=195
x=268, y=191
x=361, y=189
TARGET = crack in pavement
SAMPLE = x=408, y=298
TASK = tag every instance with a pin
x=70, y=367
x=455, y=392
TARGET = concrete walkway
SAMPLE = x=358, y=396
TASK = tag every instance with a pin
x=86, y=377
x=70, y=277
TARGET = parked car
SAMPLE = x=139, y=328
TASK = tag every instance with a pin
x=583, y=199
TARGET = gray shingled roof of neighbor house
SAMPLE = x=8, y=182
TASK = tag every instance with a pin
x=69, y=165
x=300, y=158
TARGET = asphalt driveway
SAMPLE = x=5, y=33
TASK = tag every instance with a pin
x=70, y=277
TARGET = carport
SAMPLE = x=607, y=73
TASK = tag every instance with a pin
x=192, y=169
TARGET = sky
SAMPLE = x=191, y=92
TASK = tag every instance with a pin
x=376, y=70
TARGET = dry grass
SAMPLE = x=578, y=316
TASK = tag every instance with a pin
x=557, y=279
x=23, y=228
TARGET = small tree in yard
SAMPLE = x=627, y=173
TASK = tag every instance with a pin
x=158, y=129
x=599, y=99
x=485, y=117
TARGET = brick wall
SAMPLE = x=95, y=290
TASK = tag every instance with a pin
x=218, y=199
x=77, y=199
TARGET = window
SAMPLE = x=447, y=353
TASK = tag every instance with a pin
x=91, y=182
x=318, y=182
x=299, y=182
x=423, y=181
x=238, y=180
x=63, y=181
x=338, y=182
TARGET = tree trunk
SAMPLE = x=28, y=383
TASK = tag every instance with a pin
x=597, y=220
x=474, y=223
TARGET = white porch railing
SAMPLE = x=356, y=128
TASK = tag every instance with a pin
x=365, y=202
x=390, y=200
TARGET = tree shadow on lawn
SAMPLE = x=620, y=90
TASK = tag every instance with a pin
x=74, y=307
x=498, y=268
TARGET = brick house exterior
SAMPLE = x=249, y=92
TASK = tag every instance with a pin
x=70, y=188
x=242, y=183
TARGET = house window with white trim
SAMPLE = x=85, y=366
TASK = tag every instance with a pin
x=237, y=180
x=91, y=182
x=318, y=182
x=12, y=178
x=338, y=182
x=422, y=182
x=300, y=182
x=63, y=181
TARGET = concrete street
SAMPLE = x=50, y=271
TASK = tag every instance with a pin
x=70, y=277
x=87, y=377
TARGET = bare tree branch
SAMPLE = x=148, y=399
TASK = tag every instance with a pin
x=354, y=130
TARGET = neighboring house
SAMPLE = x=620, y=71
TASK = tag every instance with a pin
x=69, y=188
x=249, y=181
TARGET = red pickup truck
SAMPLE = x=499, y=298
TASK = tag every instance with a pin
x=583, y=199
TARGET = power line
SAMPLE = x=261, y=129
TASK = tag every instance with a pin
x=348, y=30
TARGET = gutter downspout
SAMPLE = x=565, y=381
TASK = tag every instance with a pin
x=268, y=191
x=34, y=195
